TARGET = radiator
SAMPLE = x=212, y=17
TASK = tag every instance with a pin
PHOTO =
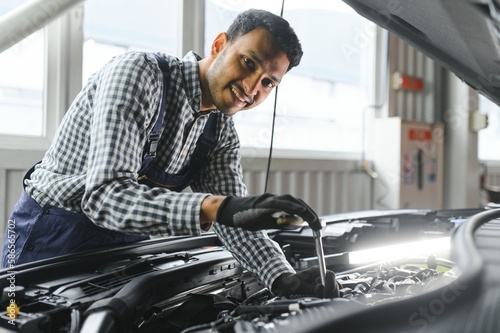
x=328, y=187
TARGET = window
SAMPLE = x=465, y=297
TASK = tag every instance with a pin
x=489, y=138
x=22, y=83
x=321, y=102
x=115, y=26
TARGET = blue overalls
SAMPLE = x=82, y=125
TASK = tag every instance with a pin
x=38, y=232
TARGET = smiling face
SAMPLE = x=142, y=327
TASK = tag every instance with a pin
x=244, y=72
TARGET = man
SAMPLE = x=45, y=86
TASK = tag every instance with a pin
x=145, y=127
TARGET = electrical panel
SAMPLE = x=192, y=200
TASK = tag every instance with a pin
x=408, y=158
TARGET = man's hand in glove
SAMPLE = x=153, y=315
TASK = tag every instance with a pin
x=306, y=283
x=262, y=212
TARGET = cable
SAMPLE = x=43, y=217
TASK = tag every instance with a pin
x=272, y=140
x=268, y=170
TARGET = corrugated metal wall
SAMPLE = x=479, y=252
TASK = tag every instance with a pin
x=493, y=175
x=13, y=165
x=413, y=105
x=327, y=186
x=10, y=189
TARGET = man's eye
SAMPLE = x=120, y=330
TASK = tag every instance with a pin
x=249, y=63
x=268, y=83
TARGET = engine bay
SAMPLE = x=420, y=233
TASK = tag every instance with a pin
x=193, y=284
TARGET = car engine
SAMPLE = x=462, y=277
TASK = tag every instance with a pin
x=193, y=284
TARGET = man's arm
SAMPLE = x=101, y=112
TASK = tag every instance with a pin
x=209, y=208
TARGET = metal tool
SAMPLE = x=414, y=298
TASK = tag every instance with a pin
x=316, y=225
x=320, y=253
x=287, y=221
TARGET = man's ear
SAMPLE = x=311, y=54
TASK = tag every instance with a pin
x=218, y=44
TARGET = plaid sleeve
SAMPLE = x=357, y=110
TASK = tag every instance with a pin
x=124, y=107
x=254, y=250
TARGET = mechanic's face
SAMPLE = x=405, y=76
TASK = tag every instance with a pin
x=244, y=72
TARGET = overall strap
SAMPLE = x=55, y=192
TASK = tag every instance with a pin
x=206, y=143
x=149, y=173
x=154, y=136
x=154, y=176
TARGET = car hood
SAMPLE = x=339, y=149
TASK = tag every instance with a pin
x=460, y=35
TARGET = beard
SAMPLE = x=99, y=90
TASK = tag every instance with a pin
x=216, y=86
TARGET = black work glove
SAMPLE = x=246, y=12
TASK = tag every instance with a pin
x=306, y=283
x=262, y=212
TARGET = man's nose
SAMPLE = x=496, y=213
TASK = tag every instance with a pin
x=252, y=85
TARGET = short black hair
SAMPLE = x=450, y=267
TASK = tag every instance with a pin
x=278, y=27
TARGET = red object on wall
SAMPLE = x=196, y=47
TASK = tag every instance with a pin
x=419, y=135
x=406, y=82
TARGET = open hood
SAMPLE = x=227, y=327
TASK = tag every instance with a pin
x=460, y=35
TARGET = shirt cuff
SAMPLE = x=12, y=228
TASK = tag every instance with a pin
x=185, y=213
x=274, y=268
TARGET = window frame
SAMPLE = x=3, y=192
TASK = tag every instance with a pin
x=63, y=44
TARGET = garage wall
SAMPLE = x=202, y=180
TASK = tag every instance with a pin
x=328, y=186
x=493, y=174
x=445, y=99
x=13, y=164
x=10, y=189
x=413, y=105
